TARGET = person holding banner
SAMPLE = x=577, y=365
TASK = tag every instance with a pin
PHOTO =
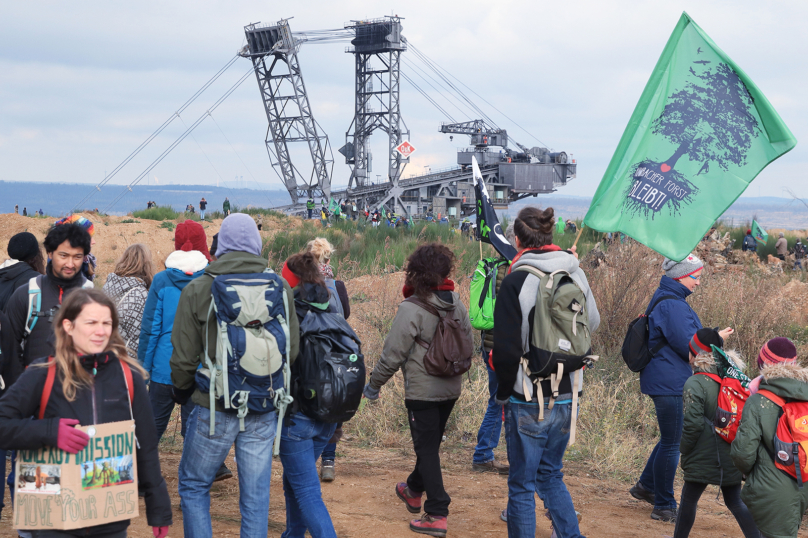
x=90, y=366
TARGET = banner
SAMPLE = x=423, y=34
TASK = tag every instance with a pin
x=488, y=227
x=759, y=233
x=57, y=490
x=701, y=132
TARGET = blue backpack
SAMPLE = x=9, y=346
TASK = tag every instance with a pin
x=249, y=370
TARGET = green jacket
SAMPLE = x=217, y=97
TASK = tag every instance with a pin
x=702, y=449
x=188, y=334
x=488, y=336
x=773, y=498
x=226, y=205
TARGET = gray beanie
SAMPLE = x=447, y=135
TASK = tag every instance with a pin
x=238, y=233
x=686, y=267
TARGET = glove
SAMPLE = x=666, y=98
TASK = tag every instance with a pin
x=69, y=438
x=181, y=396
x=370, y=393
x=160, y=532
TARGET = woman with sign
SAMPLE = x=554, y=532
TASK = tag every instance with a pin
x=92, y=383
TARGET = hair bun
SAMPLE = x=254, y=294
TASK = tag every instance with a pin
x=547, y=221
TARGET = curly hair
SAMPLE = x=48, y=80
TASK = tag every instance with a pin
x=305, y=267
x=534, y=227
x=427, y=268
x=321, y=248
x=75, y=234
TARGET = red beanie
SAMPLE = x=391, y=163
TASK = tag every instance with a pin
x=189, y=236
x=777, y=350
x=289, y=276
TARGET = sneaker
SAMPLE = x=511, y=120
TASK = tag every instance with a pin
x=554, y=534
x=504, y=515
x=223, y=473
x=429, y=525
x=667, y=515
x=413, y=502
x=327, y=471
x=492, y=466
x=641, y=494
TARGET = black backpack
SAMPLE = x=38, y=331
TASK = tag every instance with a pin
x=329, y=373
x=635, y=345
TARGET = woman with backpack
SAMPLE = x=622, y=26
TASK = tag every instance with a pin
x=90, y=365
x=429, y=399
x=705, y=454
x=775, y=499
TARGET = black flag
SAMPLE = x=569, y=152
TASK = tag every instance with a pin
x=488, y=228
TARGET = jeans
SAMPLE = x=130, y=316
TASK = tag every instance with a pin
x=491, y=427
x=3, y=480
x=535, y=453
x=661, y=466
x=310, y=211
x=691, y=493
x=302, y=441
x=202, y=214
x=330, y=450
x=427, y=424
x=162, y=405
x=203, y=454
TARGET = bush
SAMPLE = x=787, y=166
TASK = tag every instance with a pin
x=168, y=225
x=130, y=221
x=156, y=213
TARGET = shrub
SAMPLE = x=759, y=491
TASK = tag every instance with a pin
x=156, y=213
x=130, y=221
x=168, y=225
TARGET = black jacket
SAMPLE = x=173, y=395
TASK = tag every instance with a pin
x=106, y=401
x=10, y=367
x=12, y=277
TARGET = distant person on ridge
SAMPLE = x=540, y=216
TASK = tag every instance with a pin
x=24, y=211
x=749, y=242
x=310, y=207
x=226, y=206
x=781, y=247
x=17, y=209
x=799, y=254
x=203, y=205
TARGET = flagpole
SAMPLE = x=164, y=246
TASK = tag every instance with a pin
x=481, y=248
x=578, y=236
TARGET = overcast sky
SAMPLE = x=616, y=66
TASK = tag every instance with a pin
x=82, y=84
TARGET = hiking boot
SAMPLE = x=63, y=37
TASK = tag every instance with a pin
x=429, y=525
x=641, y=494
x=492, y=466
x=413, y=502
x=223, y=473
x=327, y=471
x=668, y=515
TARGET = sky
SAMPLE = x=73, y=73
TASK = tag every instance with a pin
x=82, y=83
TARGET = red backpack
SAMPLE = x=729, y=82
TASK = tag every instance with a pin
x=731, y=398
x=791, y=437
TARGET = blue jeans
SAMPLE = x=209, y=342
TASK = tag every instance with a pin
x=302, y=441
x=661, y=466
x=491, y=427
x=203, y=454
x=162, y=405
x=202, y=214
x=535, y=453
x=3, y=480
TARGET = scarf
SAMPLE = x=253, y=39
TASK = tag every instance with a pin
x=546, y=248
x=727, y=368
x=448, y=285
x=327, y=270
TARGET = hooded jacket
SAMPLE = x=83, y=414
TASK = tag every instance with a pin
x=129, y=294
x=106, y=400
x=13, y=274
x=401, y=351
x=512, y=329
x=705, y=457
x=188, y=334
x=154, y=350
x=773, y=498
x=675, y=323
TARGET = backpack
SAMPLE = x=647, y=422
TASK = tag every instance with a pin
x=749, y=243
x=449, y=352
x=329, y=373
x=35, y=303
x=635, y=350
x=791, y=437
x=51, y=377
x=249, y=370
x=483, y=292
x=732, y=396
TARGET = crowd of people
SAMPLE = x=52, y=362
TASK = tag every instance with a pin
x=225, y=338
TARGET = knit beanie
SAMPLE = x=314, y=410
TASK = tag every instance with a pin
x=23, y=246
x=686, y=267
x=238, y=233
x=189, y=236
x=78, y=219
x=703, y=340
x=777, y=350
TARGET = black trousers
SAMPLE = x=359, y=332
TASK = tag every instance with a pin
x=427, y=424
x=691, y=493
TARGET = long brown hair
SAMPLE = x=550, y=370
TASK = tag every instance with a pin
x=534, y=227
x=427, y=268
x=305, y=267
x=73, y=375
x=136, y=261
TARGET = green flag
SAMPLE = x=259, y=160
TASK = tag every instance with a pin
x=759, y=233
x=384, y=213
x=701, y=132
x=333, y=206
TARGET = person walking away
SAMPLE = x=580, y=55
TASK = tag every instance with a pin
x=701, y=446
x=781, y=246
x=212, y=429
x=429, y=399
x=310, y=207
x=353, y=210
x=89, y=364
x=17, y=209
x=671, y=325
x=25, y=262
x=259, y=221
x=203, y=206
x=536, y=447
x=775, y=499
x=799, y=254
x=226, y=206
x=24, y=211
x=324, y=217
x=749, y=243
x=128, y=286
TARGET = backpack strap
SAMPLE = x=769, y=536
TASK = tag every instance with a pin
x=775, y=399
x=34, y=304
x=46, y=390
x=130, y=386
x=648, y=312
x=714, y=377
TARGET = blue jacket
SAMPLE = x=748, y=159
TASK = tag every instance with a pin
x=154, y=348
x=674, y=322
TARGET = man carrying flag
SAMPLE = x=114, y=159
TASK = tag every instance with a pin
x=488, y=228
x=759, y=233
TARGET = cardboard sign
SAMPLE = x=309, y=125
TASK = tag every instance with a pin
x=61, y=491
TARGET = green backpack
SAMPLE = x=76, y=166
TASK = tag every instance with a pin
x=483, y=293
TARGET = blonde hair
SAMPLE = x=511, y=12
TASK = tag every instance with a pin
x=321, y=248
x=73, y=374
x=137, y=262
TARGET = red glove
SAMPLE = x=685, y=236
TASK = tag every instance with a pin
x=160, y=532
x=69, y=438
